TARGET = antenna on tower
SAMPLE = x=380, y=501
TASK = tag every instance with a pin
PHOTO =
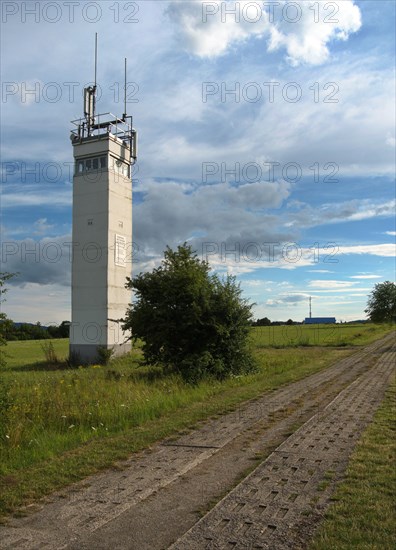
x=133, y=135
x=125, y=90
x=102, y=125
x=96, y=56
x=90, y=95
x=310, y=309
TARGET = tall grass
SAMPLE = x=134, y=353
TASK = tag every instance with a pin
x=53, y=411
x=58, y=410
x=49, y=412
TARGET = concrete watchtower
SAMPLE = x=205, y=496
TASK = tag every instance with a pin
x=104, y=149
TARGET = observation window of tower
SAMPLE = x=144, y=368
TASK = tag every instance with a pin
x=91, y=164
x=120, y=167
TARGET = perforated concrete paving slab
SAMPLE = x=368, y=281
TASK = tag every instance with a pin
x=148, y=494
x=161, y=518
x=276, y=505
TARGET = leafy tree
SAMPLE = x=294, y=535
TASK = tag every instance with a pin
x=6, y=328
x=264, y=322
x=189, y=319
x=61, y=331
x=381, y=305
x=3, y=318
x=29, y=331
x=64, y=329
x=5, y=400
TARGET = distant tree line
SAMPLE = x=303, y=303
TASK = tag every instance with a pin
x=29, y=331
x=265, y=322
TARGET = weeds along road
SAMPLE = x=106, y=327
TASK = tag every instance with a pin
x=292, y=438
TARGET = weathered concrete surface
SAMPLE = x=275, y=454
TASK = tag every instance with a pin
x=279, y=505
x=157, y=496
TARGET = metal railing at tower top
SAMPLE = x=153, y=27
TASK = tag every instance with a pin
x=103, y=125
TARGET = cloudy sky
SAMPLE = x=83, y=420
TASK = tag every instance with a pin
x=266, y=141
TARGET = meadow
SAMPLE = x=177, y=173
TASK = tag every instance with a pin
x=60, y=424
x=363, y=511
x=288, y=336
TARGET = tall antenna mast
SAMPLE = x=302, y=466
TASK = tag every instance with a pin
x=96, y=57
x=310, y=309
x=90, y=96
x=125, y=90
x=100, y=125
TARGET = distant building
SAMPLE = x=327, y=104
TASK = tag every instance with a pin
x=319, y=320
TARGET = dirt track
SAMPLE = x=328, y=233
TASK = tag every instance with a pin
x=157, y=497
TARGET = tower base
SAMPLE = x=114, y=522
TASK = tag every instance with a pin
x=87, y=354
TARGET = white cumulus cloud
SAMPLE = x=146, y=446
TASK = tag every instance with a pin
x=306, y=40
x=365, y=277
x=208, y=31
x=331, y=284
x=303, y=29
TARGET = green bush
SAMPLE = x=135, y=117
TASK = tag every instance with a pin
x=104, y=355
x=74, y=360
x=49, y=352
x=5, y=405
x=190, y=320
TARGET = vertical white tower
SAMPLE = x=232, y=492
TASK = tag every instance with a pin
x=104, y=149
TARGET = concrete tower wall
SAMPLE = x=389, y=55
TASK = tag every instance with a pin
x=102, y=243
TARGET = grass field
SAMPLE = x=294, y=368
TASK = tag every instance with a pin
x=60, y=424
x=315, y=335
x=364, y=513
